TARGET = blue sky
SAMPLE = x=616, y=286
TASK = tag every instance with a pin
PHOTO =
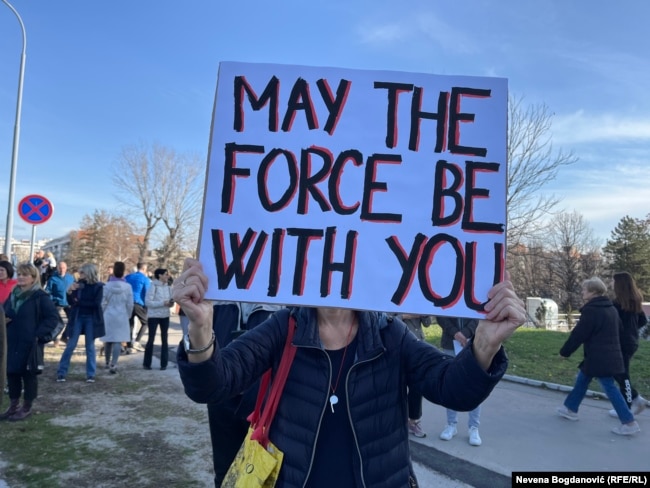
x=101, y=75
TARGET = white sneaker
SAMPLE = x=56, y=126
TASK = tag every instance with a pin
x=613, y=414
x=638, y=405
x=474, y=438
x=566, y=413
x=449, y=432
x=627, y=429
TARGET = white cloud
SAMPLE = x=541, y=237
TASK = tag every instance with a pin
x=580, y=127
x=418, y=27
x=605, y=193
x=381, y=34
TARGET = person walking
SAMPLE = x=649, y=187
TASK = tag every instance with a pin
x=627, y=301
x=158, y=300
x=351, y=432
x=57, y=287
x=87, y=318
x=30, y=320
x=140, y=284
x=456, y=334
x=598, y=332
x=117, y=304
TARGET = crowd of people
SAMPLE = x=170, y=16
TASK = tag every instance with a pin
x=322, y=421
x=43, y=302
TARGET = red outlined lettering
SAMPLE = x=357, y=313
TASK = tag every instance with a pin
x=456, y=117
x=371, y=186
x=334, y=105
x=270, y=95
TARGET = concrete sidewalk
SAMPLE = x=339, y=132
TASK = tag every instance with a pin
x=521, y=432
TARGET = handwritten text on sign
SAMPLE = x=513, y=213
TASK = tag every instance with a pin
x=357, y=189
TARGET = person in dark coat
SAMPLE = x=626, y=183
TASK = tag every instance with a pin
x=86, y=317
x=414, y=323
x=627, y=300
x=597, y=331
x=31, y=318
x=342, y=417
x=3, y=354
x=228, y=420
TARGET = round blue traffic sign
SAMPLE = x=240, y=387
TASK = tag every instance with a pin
x=35, y=209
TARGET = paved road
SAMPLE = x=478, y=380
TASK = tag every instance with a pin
x=521, y=432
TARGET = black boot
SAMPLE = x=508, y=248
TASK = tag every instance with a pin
x=13, y=408
x=22, y=413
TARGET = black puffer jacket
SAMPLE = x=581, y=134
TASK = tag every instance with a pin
x=629, y=334
x=451, y=325
x=389, y=359
x=26, y=325
x=597, y=329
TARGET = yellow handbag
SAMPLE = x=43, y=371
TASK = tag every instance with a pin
x=258, y=461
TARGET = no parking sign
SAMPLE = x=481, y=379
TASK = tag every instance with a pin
x=35, y=209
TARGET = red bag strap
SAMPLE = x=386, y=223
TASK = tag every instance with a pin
x=261, y=419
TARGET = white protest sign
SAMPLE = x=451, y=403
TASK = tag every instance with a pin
x=371, y=190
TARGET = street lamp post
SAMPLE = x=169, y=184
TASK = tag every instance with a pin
x=14, y=153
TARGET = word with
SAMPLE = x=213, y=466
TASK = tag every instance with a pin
x=253, y=246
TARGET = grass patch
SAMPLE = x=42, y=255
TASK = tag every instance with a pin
x=136, y=428
x=535, y=354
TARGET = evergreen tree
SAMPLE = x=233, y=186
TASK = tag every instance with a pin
x=628, y=249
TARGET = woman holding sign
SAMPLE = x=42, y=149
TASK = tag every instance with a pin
x=341, y=420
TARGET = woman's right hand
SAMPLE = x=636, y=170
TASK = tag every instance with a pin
x=189, y=292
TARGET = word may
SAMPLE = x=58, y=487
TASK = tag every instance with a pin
x=448, y=116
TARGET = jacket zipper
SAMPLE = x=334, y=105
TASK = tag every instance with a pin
x=320, y=421
x=347, y=406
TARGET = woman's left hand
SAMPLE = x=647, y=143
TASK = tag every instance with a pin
x=505, y=313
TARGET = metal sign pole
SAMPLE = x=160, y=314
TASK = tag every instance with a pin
x=31, y=247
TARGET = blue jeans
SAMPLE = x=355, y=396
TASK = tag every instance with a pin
x=573, y=400
x=474, y=417
x=452, y=415
x=82, y=323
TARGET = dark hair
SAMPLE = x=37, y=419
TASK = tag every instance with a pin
x=141, y=266
x=10, y=269
x=627, y=294
x=159, y=272
x=118, y=269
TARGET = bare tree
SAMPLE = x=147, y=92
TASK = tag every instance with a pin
x=135, y=176
x=529, y=268
x=162, y=186
x=532, y=163
x=179, y=200
x=576, y=256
